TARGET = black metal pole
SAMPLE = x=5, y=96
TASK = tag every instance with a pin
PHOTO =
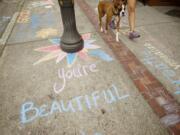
x=71, y=40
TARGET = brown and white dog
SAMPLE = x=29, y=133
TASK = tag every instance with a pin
x=110, y=9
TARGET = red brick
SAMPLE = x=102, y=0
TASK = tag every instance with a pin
x=157, y=108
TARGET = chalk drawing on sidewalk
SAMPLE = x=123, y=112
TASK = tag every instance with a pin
x=76, y=72
x=170, y=119
x=90, y=49
x=43, y=3
x=24, y=17
x=94, y=100
x=46, y=32
x=84, y=133
x=164, y=57
x=42, y=20
x=170, y=74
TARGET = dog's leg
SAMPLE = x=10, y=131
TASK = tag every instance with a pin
x=100, y=24
x=100, y=18
x=117, y=29
x=117, y=36
x=108, y=20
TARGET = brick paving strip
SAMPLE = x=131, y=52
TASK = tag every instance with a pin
x=160, y=100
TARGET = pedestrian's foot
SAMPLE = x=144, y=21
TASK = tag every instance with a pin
x=133, y=35
x=112, y=25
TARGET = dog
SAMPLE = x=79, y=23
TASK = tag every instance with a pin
x=122, y=14
x=110, y=9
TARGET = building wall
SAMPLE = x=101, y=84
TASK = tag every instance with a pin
x=163, y=2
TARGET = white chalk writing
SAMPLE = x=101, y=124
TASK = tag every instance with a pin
x=76, y=72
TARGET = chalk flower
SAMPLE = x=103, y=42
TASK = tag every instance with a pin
x=54, y=51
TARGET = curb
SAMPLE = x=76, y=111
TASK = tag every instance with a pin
x=9, y=28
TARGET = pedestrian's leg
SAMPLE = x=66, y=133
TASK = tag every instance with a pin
x=131, y=10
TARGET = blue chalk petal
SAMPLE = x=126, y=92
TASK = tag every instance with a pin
x=101, y=54
x=71, y=58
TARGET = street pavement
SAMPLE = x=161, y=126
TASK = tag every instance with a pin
x=45, y=91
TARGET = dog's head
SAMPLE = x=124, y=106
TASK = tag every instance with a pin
x=119, y=6
x=123, y=7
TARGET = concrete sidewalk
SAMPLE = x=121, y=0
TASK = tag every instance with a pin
x=44, y=91
x=9, y=11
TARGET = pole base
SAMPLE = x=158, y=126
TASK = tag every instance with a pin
x=72, y=48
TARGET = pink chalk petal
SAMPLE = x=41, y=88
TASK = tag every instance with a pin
x=61, y=56
x=51, y=48
x=47, y=57
x=82, y=55
x=86, y=36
